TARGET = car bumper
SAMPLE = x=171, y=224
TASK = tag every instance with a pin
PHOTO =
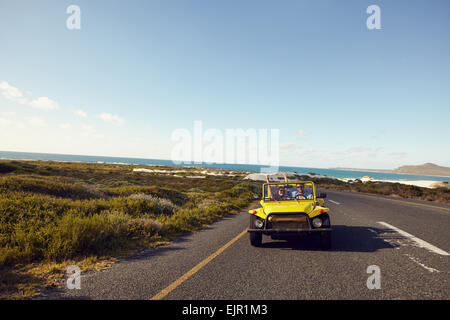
x=289, y=231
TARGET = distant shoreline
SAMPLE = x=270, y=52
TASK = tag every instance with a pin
x=424, y=183
x=388, y=171
x=331, y=173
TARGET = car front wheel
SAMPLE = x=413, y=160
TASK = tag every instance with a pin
x=255, y=237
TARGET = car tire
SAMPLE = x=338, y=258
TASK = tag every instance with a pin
x=325, y=240
x=255, y=237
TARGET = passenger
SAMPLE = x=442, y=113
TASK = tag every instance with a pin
x=273, y=190
x=280, y=194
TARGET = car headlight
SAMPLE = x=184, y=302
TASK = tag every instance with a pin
x=259, y=223
x=317, y=222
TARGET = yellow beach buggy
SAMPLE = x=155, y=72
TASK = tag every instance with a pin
x=289, y=210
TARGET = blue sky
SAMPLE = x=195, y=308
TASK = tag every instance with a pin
x=341, y=94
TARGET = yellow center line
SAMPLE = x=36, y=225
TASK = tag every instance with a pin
x=191, y=272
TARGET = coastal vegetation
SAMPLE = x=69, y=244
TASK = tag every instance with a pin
x=54, y=213
x=439, y=194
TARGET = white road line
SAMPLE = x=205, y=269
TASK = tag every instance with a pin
x=334, y=202
x=421, y=264
x=421, y=243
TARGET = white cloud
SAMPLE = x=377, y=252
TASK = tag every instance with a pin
x=353, y=150
x=399, y=154
x=65, y=126
x=19, y=125
x=302, y=133
x=358, y=150
x=7, y=122
x=111, y=118
x=35, y=121
x=12, y=93
x=7, y=114
x=290, y=146
x=44, y=103
x=91, y=132
x=87, y=129
x=80, y=113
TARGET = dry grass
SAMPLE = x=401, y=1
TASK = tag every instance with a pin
x=53, y=215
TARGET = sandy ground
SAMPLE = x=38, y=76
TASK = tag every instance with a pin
x=419, y=183
x=291, y=176
x=279, y=177
x=204, y=173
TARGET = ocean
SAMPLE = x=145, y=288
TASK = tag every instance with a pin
x=335, y=173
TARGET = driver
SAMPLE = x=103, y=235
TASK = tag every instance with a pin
x=302, y=193
x=299, y=193
x=308, y=192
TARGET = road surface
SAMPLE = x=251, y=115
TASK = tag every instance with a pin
x=408, y=240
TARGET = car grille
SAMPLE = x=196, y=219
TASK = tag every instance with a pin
x=294, y=221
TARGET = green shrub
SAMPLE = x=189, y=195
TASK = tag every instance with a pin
x=161, y=205
x=7, y=168
x=98, y=234
x=52, y=188
x=60, y=211
x=176, y=197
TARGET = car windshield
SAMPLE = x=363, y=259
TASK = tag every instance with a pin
x=288, y=191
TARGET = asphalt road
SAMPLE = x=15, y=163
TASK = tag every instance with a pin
x=367, y=230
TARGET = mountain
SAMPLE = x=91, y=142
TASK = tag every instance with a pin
x=425, y=169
